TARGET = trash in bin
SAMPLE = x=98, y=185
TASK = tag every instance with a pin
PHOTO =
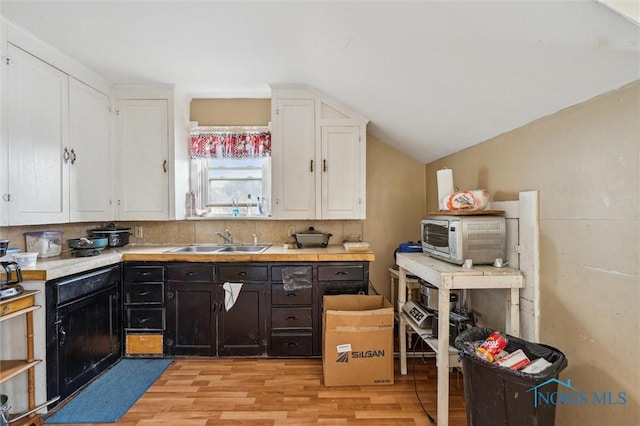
x=497, y=395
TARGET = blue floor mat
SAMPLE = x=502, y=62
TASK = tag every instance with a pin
x=111, y=395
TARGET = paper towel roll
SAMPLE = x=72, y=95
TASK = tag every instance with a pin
x=444, y=177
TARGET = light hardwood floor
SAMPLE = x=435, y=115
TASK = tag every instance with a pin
x=278, y=392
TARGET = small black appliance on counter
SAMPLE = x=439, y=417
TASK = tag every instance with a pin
x=118, y=237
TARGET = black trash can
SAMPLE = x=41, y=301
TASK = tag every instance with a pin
x=501, y=396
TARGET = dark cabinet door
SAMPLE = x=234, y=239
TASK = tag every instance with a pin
x=242, y=329
x=191, y=318
x=88, y=338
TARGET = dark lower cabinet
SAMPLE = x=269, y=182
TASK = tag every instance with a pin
x=84, y=331
x=180, y=306
x=242, y=329
x=191, y=318
x=144, y=313
x=198, y=323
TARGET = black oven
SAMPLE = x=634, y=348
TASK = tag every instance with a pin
x=84, y=332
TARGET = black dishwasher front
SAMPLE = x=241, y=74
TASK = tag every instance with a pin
x=84, y=332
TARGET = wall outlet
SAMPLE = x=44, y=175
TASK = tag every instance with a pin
x=137, y=231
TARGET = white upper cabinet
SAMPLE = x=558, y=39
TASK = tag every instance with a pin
x=37, y=133
x=143, y=158
x=90, y=165
x=58, y=145
x=342, y=169
x=319, y=157
x=293, y=159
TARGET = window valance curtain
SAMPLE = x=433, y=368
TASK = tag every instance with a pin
x=230, y=142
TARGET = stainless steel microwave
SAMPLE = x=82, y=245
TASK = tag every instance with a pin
x=453, y=239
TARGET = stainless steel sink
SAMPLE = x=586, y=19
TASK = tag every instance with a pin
x=244, y=249
x=233, y=248
x=196, y=249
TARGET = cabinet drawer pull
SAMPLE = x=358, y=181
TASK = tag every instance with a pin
x=143, y=293
x=311, y=166
x=324, y=165
x=190, y=274
x=143, y=320
x=291, y=294
x=341, y=273
x=291, y=318
x=292, y=344
x=144, y=274
x=65, y=155
x=164, y=166
x=242, y=273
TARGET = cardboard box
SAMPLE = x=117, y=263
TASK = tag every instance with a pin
x=357, y=336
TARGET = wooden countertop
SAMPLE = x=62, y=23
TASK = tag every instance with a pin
x=66, y=264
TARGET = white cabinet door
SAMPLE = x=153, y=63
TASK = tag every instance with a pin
x=143, y=154
x=91, y=171
x=294, y=161
x=37, y=131
x=341, y=173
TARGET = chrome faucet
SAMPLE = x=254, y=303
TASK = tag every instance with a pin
x=228, y=239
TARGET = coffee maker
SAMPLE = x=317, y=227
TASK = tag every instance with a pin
x=10, y=282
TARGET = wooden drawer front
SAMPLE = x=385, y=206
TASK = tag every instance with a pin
x=9, y=307
x=140, y=294
x=138, y=274
x=291, y=345
x=145, y=319
x=291, y=318
x=242, y=273
x=144, y=344
x=341, y=273
x=191, y=273
x=276, y=271
x=280, y=296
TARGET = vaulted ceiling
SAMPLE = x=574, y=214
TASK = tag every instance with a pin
x=433, y=77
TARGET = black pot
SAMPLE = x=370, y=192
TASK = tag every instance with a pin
x=311, y=238
x=117, y=237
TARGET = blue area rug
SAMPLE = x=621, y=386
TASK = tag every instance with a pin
x=111, y=395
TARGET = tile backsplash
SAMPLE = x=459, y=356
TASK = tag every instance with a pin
x=196, y=231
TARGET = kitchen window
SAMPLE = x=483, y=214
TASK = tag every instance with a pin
x=230, y=171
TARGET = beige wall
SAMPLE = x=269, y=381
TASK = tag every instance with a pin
x=395, y=206
x=584, y=162
x=231, y=112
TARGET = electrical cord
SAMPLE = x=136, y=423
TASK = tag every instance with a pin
x=415, y=384
x=372, y=287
